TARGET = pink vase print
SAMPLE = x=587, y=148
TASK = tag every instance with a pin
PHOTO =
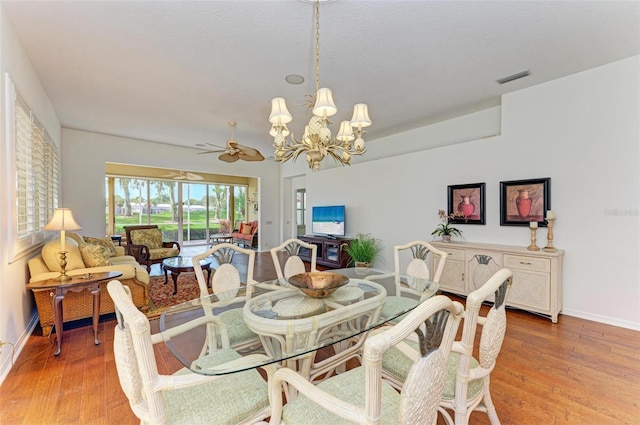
x=466, y=206
x=523, y=202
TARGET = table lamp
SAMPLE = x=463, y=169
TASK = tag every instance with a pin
x=62, y=220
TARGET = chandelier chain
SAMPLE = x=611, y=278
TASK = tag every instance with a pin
x=317, y=141
x=317, y=45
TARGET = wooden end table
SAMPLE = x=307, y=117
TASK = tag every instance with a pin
x=76, y=284
x=177, y=265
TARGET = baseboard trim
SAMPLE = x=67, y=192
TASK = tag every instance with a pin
x=602, y=319
x=8, y=361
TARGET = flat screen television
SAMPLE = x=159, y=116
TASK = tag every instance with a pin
x=328, y=220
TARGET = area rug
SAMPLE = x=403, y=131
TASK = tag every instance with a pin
x=161, y=296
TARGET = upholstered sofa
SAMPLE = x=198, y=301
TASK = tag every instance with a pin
x=145, y=244
x=85, y=255
x=246, y=235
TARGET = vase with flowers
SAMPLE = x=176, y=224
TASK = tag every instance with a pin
x=445, y=230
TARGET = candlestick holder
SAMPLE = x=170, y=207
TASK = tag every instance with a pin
x=64, y=277
x=550, y=247
x=533, y=246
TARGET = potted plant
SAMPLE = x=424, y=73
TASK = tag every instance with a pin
x=445, y=230
x=363, y=250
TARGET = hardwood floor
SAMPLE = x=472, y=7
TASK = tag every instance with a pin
x=572, y=372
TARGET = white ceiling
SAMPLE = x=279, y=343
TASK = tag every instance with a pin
x=177, y=71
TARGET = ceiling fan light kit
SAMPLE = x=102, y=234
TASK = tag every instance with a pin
x=317, y=140
x=235, y=151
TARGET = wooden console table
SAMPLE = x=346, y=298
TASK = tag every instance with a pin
x=330, y=251
x=537, y=275
x=76, y=284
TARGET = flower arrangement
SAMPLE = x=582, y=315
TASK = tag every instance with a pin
x=446, y=230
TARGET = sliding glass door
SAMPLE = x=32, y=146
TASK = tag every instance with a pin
x=186, y=212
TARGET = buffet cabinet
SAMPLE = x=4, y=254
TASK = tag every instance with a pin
x=330, y=251
x=537, y=275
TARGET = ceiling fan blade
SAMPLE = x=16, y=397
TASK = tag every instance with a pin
x=216, y=151
x=227, y=157
x=195, y=177
x=214, y=145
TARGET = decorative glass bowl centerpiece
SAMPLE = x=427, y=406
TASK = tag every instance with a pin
x=318, y=284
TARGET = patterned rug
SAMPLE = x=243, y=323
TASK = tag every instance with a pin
x=161, y=296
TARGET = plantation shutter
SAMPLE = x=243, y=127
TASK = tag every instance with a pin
x=36, y=165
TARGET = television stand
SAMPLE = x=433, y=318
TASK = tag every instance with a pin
x=330, y=252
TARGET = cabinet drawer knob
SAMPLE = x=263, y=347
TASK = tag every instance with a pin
x=525, y=263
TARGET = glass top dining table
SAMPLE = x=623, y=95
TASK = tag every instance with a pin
x=286, y=323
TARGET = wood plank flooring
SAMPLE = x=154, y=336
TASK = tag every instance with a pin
x=572, y=372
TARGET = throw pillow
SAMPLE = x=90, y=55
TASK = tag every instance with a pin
x=94, y=255
x=106, y=242
x=51, y=255
x=246, y=229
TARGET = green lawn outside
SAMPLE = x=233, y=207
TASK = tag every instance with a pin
x=169, y=227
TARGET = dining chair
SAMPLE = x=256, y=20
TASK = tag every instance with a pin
x=226, y=279
x=409, y=288
x=467, y=386
x=359, y=395
x=184, y=397
x=293, y=264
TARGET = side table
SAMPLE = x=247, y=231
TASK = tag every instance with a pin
x=79, y=283
x=177, y=265
x=217, y=238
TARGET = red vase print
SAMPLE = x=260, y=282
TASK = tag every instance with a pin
x=523, y=202
x=466, y=206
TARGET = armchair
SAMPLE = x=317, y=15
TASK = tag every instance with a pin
x=184, y=397
x=467, y=386
x=246, y=235
x=226, y=278
x=146, y=245
x=360, y=395
x=293, y=264
x=409, y=292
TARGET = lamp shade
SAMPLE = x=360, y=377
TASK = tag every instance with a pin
x=361, y=116
x=345, y=134
x=324, y=105
x=62, y=220
x=279, y=112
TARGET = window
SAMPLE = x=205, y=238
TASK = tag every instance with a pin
x=35, y=161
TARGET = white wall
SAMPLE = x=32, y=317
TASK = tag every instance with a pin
x=582, y=131
x=17, y=314
x=84, y=172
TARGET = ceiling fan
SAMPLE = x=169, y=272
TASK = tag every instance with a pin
x=235, y=151
x=183, y=175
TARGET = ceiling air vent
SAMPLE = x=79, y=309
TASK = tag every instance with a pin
x=513, y=77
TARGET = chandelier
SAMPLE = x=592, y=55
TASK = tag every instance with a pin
x=317, y=140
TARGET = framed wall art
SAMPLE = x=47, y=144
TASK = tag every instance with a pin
x=524, y=201
x=468, y=199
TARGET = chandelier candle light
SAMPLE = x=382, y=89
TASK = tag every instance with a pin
x=317, y=140
x=62, y=220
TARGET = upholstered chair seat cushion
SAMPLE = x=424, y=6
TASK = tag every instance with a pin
x=225, y=405
x=236, y=327
x=394, y=304
x=156, y=253
x=346, y=386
